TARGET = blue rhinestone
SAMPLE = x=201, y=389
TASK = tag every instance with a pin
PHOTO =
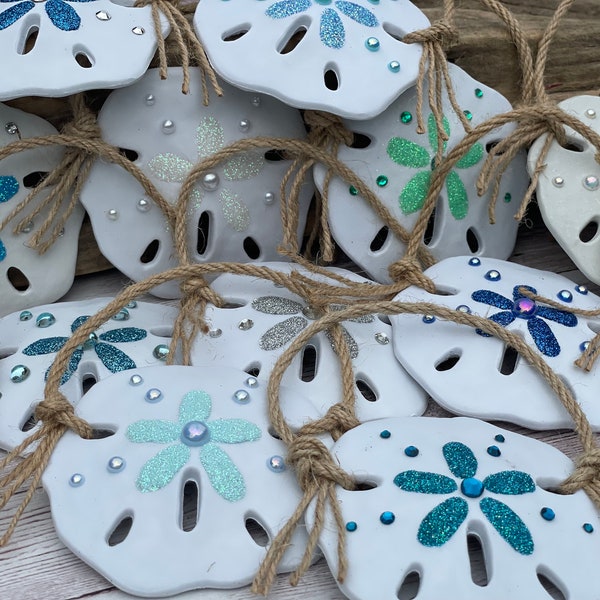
x=122, y=315
x=565, y=296
x=45, y=319
x=581, y=289
x=584, y=346
x=387, y=517
x=499, y=438
x=471, y=487
x=493, y=451
x=493, y=275
x=474, y=262
x=547, y=513
x=463, y=308
x=19, y=373
x=195, y=433
x=25, y=315
x=372, y=44
x=411, y=451
x=394, y=66
x=351, y=526
x=161, y=352
x=385, y=434
x=588, y=527
x=132, y=304
x=428, y=319
x=276, y=464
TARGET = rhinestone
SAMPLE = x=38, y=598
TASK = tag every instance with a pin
x=61, y=232
x=122, y=315
x=493, y=451
x=547, y=513
x=353, y=191
x=382, y=338
x=214, y=333
x=161, y=352
x=251, y=382
x=411, y=451
x=132, y=304
x=565, y=296
x=116, y=464
x=45, y=319
x=195, y=433
x=471, y=487
x=28, y=227
x=269, y=198
x=406, y=117
x=11, y=128
x=507, y=197
x=246, y=324
x=584, y=346
x=25, y=315
x=372, y=44
x=309, y=312
x=499, y=438
x=136, y=379
x=351, y=526
x=524, y=308
x=91, y=341
x=591, y=182
x=76, y=480
x=478, y=93
x=387, y=517
x=588, y=527
x=168, y=127
x=382, y=180
x=428, y=319
x=276, y=464
x=210, y=182
x=244, y=125
x=241, y=397
x=394, y=66
x=558, y=182
x=581, y=289
x=255, y=101
x=590, y=113
x=474, y=262
x=138, y=30
x=143, y=205
x=153, y=395
x=493, y=275
x=150, y=100
x=385, y=434
x=463, y=308
x=468, y=114
x=113, y=214
x=102, y=15
x=19, y=373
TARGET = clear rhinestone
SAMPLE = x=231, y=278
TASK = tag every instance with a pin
x=116, y=464
x=255, y=101
x=558, y=182
x=153, y=395
x=28, y=227
x=136, y=379
x=246, y=324
x=102, y=15
x=382, y=338
x=214, y=333
x=161, y=352
x=244, y=125
x=168, y=127
x=251, y=382
x=138, y=30
x=241, y=397
x=591, y=182
x=150, y=100
x=11, y=128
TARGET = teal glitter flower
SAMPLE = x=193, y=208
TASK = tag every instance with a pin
x=193, y=431
x=444, y=520
x=408, y=154
x=9, y=186
x=62, y=15
x=112, y=358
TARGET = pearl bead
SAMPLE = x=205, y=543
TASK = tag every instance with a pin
x=136, y=380
x=116, y=464
x=161, y=352
x=276, y=464
x=372, y=44
x=251, y=382
x=153, y=395
x=590, y=113
x=558, y=182
x=210, y=182
x=591, y=182
x=269, y=198
x=143, y=205
x=474, y=262
x=76, y=480
x=394, y=66
x=150, y=100
x=113, y=214
x=26, y=315
x=493, y=275
x=195, y=433
x=122, y=315
x=168, y=127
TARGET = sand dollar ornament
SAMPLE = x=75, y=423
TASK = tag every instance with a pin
x=460, y=508
x=470, y=373
x=60, y=47
x=24, y=280
x=260, y=321
x=315, y=54
x=568, y=189
x=234, y=212
x=180, y=496
x=136, y=336
x=396, y=162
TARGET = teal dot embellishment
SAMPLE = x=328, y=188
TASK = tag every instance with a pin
x=353, y=191
x=372, y=44
x=351, y=526
x=468, y=114
x=387, y=517
x=499, y=438
x=26, y=315
x=411, y=451
x=385, y=434
x=588, y=527
x=493, y=451
x=406, y=117
x=471, y=487
x=382, y=180
x=478, y=93
x=547, y=514
x=394, y=66
x=507, y=197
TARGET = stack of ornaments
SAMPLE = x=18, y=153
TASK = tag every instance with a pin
x=429, y=486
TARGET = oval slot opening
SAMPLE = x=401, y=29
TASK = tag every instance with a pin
x=293, y=39
x=251, y=248
x=257, y=532
x=380, y=239
x=509, y=362
x=331, y=79
x=33, y=179
x=236, y=33
x=448, y=362
x=551, y=587
x=367, y=392
x=203, y=233
x=120, y=532
x=410, y=586
x=190, y=505
x=589, y=232
x=17, y=279
x=149, y=254
x=479, y=574
x=308, y=369
x=472, y=240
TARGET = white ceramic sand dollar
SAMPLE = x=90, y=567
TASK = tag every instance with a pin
x=396, y=164
x=342, y=57
x=137, y=336
x=469, y=373
x=24, y=277
x=189, y=475
x=263, y=319
x=568, y=189
x=449, y=492
x=234, y=214
x=57, y=47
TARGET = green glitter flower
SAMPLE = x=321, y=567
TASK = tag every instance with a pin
x=193, y=431
x=408, y=154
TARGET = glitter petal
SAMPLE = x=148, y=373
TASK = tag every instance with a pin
x=407, y=154
x=471, y=158
x=543, y=337
x=492, y=298
x=223, y=475
x=442, y=522
x=414, y=193
x=74, y=361
x=425, y=483
x=124, y=334
x=461, y=460
x=244, y=166
x=9, y=186
x=331, y=29
x=113, y=359
x=45, y=346
x=275, y=305
x=509, y=482
x=433, y=134
x=558, y=316
x=153, y=431
x=235, y=212
x=350, y=343
x=14, y=13
x=62, y=15
x=170, y=167
x=508, y=524
x=458, y=200
x=2, y=251
x=287, y=8
x=78, y=322
x=233, y=431
x=161, y=468
x=357, y=13
x=195, y=406
x=282, y=333
x=209, y=137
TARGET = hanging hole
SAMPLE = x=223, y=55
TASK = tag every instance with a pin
x=309, y=363
x=384, y=319
x=33, y=179
x=83, y=60
x=273, y=433
x=129, y=154
x=233, y=303
x=120, y=531
x=510, y=360
x=251, y=248
x=331, y=78
x=364, y=486
x=366, y=390
x=589, y=232
x=491, y=145
x=440, y=291
x=573, y=146
x=360, y=141
x=203, y=233
x=551, y=587
x=257, y=532
x=87, y=383
x=231, y=35
x=394, y=31
x=410, y=586
x=380, y=238
x=479, y=573
x=428, y=235
x=472, y=240
x=163, y=331
x=101, y=433
x=253, y=369
x=6, y=352
x=17, y=279
x=29, y=41
x=291, y=41
x=29, y=423
x=448, y=362
x=190, y=504
x=149, y=254
x=275, y=155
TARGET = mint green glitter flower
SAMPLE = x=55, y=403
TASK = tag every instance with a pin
x=193, y=432
x=408, y=154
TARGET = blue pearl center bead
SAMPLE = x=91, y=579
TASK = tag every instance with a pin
x=524, y=308
x=195, y=433
x=471, y=487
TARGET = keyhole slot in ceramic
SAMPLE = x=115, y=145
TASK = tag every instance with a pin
x=380, y=240
x=17, y=279
x=33, y=179
x=477, y=561
x=257, y=532
x=190, y=504
x=29, y=34
x=309, y=363
x=510, y=361
x=366, y=388
x=292, y=38
x=120, y=532
x=411, y=584
x=551, y=585
x=203, y=233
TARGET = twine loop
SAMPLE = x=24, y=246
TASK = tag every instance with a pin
x=442, y=32
x=324, y=126
x=408, y=269
x=57, y=411
x=586, y=475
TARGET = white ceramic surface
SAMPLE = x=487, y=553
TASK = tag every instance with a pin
x=474, y=375
x=568, y=190
x=57, y=47
x=342, y=57
x=167, y=550
x=24, y=279
x=262, y=320
x=234, y=212
x=396, y=164
x=464, y=480
x=120, y=344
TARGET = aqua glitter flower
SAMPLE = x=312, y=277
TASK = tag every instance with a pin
x=444, y=520
x=408, y=154
x=331, y=30
x=60, y=13
x=9, y=186
x=112, y=358
x=521, y=307
x=193, y=430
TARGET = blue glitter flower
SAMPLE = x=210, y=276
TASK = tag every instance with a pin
x=60, y=13
x=331, y=30
x=9, y=186
x=192, y=430
x=112, y=358
x=521, y=307
x=444, y=520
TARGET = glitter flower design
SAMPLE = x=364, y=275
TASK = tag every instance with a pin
x=331, y=30
x=193, y=431
x=210, y=138
x=408, y=154
x=280, y=334
x=521, y=307
x=62, y=15
x=444, y=520
x=9, y=186
x=112, y=358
